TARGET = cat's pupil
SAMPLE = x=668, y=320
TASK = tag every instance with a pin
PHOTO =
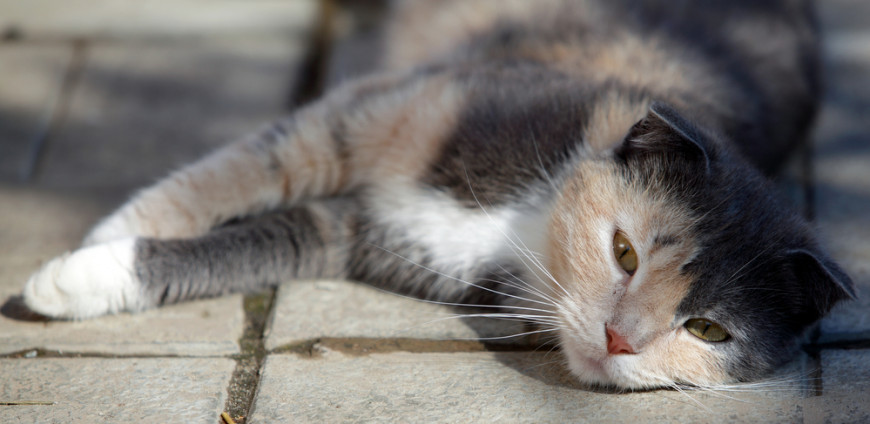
x=624, y=252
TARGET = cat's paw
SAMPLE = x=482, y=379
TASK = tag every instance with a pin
x=89, y=282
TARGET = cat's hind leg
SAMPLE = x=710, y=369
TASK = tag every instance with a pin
x=362, y=132
x=132, y=274
x=275, y=167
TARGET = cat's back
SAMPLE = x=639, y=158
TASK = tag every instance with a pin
x=421, y=32
x=746, y=68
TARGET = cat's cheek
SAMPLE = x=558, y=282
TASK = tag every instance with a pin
x=89, y=282
x=691, y=361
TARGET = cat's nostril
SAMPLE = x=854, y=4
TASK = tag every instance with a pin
x=616, y=344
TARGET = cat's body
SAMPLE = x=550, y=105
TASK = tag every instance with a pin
x=501, y=155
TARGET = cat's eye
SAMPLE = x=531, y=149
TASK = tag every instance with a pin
x=706, y=330
x=624, y=252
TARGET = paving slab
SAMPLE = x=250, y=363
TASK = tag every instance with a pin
x=846, y=389
x=842, y=176
x=141, y=109
x=102, y=390
x=306, y=310
x=488, y=387
x=32, y=80
x=846, y=371
x=114, y=19
x=38, y=224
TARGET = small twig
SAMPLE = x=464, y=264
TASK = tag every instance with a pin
x=227, y=419
x=27, y=402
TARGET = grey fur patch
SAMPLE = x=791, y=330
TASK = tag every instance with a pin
x=247, y=255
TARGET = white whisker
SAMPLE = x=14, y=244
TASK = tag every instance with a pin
x=507, y=316
x=513, y=245
x=457, y=279
x=509, y=336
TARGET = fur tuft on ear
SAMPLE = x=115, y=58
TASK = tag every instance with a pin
x=827, y=283
x=664, y=131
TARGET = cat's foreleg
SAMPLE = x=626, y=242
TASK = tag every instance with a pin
x=133, y=274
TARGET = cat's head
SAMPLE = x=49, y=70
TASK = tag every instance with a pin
x=677, y=264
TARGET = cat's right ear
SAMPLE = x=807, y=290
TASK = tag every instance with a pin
x=827, y=283
x=665, y=132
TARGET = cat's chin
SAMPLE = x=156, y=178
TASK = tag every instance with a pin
x=610, y=371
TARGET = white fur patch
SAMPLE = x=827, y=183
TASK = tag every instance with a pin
x=457, y=236
x=89, y=282
x=119, y=225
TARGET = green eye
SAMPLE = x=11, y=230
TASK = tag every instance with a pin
x=706, y=330
x=624, y=252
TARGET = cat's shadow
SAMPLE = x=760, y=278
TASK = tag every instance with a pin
x=542, y=362
x=15, y=309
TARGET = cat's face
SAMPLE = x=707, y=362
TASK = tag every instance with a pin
x=676, y=265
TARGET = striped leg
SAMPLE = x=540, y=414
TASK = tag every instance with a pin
x=132, y=274
x=275, y=168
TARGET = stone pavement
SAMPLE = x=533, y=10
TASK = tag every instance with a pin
x=96, y=104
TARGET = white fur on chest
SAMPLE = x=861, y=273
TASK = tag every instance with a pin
x=456, y=236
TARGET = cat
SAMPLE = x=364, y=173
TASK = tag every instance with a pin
x=596, y=167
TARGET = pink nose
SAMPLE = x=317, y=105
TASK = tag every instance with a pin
x=616, y=344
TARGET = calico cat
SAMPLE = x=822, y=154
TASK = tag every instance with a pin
x=595, y=166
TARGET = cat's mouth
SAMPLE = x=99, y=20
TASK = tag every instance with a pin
x=587, y=367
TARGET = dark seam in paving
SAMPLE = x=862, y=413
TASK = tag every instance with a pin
x=805, y=151
x=847, y=344
x=56, y=113
x=813, y=379
x=311, y=79
x=245, y=380
x=361, y=346
x=45, y=353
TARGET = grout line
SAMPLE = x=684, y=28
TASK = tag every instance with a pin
x=46, y=353
x=806, y=151
x=310, y=82
x=815, y=386
x=245, y=380
x=361, y=346
x=845, y=343
x=56, y=111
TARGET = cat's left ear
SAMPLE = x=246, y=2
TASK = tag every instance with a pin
x=665, y=131
x=827, y=283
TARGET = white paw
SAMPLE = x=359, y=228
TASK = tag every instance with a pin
x=89, y=282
